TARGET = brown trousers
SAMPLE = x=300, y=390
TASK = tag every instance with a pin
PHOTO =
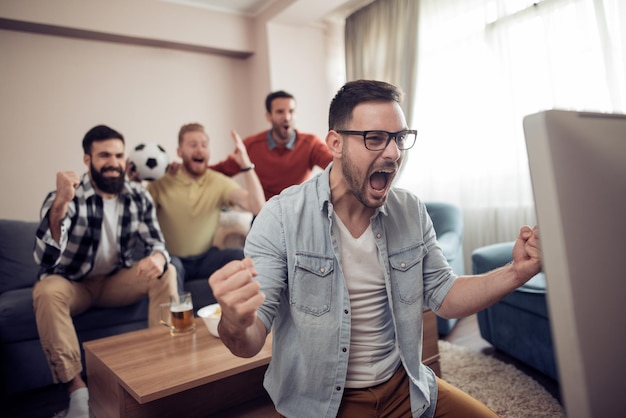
x=391, y=400
x=56, y=300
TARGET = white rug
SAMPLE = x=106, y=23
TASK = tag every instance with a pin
x=500, y=386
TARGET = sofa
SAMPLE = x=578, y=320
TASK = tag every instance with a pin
x=448, y=223
x=519, y=324
x=22, y=363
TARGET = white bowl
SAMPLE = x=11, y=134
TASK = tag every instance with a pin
x=211, y=315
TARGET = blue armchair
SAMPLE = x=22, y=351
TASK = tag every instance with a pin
x=518, y=325
x=448, y=223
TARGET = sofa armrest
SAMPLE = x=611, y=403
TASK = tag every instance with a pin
x=490, y=257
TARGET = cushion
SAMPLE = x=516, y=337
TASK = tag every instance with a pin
x=17, y=265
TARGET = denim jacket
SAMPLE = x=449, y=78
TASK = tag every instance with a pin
x=294, y=245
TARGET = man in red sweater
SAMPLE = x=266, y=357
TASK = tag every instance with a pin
x=281, y=156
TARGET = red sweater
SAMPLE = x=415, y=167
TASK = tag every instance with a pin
x=281, y=167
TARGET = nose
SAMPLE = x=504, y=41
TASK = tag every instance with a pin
x=392, y=152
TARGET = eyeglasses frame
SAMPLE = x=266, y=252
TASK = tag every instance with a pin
x=392, y=135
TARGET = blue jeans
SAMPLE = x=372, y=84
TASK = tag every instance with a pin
x=203, y=265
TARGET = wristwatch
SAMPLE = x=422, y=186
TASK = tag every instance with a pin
x=247, y=168
x=165, y=267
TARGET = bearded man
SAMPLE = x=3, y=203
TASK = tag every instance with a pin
x=91, y=229
x=341, y=268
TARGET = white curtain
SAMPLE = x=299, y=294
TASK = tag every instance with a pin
x=482, y=66
x=381, y=44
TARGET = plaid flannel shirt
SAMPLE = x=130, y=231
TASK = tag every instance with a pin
x=74, y=255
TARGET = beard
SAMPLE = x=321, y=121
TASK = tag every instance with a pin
x=194, y=168
x=359, y=182
x=111, y=185
x=280, y=133
x=352, y=174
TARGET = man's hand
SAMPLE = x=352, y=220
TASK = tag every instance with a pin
x=67, y=182
x=173, y=167
x=131, y=171
x=240, y=154
x=238, y=294
x=151, y=266
x=527, y=254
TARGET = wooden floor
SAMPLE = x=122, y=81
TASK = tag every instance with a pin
x=45, y=403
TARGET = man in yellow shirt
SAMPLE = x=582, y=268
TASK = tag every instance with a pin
x=189, y=202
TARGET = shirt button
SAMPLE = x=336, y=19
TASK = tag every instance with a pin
x=322, y=270
x=344, y=349
x=402, y=265
x=338, y=388
x=378, y=235
x=345, y=311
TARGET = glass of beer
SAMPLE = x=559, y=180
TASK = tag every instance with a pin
x=178, y=314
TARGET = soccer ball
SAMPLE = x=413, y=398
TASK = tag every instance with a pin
x=150, y=160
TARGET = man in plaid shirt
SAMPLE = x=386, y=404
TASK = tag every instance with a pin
x=93, y=229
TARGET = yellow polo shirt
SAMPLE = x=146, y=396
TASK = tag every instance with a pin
x=188, y=210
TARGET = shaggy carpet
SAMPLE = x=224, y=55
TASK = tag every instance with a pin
x=500, y=386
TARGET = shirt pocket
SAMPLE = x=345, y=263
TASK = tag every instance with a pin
x=311, y=288
x=407, y=272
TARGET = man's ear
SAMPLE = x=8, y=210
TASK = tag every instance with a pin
x=179, y=152
x=268, y=117
x=335, y=143
x=86, y=159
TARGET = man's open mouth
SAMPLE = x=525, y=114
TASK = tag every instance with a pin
x=380, y=179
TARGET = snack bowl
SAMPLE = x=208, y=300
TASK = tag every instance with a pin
x=211, y=315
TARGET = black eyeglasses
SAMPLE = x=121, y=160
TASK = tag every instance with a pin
x=378, y=140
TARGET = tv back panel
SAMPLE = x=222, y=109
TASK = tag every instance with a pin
x=578, y=169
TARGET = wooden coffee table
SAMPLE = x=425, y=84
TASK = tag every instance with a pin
x=149, y=373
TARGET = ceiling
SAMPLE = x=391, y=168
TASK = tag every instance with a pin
x=299, y=11
x=242, y=7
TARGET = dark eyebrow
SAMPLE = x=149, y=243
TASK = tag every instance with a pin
x=107, y=153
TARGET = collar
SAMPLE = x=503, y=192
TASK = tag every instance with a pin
x=271, y=142
x=183, y=178
x=87, y=186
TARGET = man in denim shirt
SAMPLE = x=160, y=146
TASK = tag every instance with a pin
x=342, y=267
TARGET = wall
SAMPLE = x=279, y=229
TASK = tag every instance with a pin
x=54, y=88
x=288, y=70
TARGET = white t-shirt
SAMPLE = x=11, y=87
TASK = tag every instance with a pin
x=374, y=356
x=107, y=254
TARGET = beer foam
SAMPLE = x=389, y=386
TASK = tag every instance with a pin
x=182, y=307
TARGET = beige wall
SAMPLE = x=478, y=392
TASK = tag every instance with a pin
x=54, y=88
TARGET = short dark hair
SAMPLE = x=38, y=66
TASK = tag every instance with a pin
x=356, y=92
x=276, y=95
x=99, y=133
